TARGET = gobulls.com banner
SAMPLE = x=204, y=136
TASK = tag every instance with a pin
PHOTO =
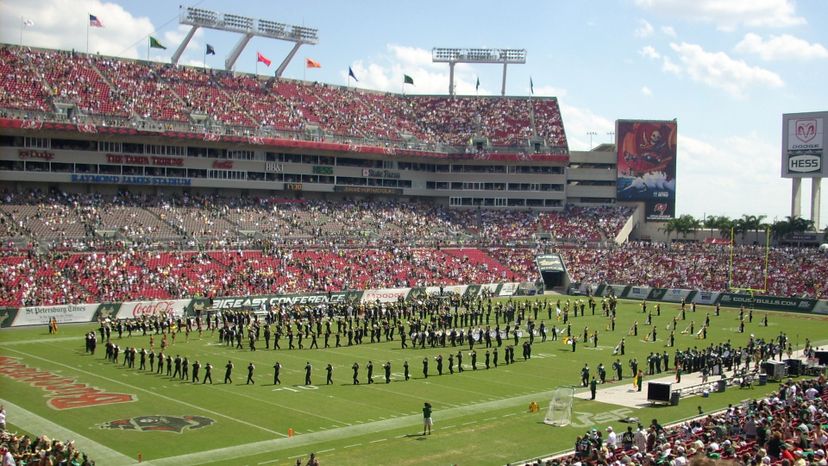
x=64, y=314
x=168, y=308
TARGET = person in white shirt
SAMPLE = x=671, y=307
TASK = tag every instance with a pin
x=2, y=418
x=612, y=439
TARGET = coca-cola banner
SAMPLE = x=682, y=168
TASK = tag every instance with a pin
x=64, y=314
x=167, y=308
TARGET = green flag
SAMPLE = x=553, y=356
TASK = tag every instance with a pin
x=408, y=79
x=155, y=44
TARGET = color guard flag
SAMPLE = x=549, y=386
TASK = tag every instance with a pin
x=351, y=74
x=210, y=50
x=311, y=63
x=263, y=59
x=408, y=79
x=95, y=22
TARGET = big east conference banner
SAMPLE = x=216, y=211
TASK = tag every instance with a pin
x=803, y=142
x=647, y=165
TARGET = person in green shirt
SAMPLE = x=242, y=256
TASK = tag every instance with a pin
x=427, y=422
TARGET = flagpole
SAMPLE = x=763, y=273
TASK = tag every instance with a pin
x=21, y=31
x=87, y=36
x=305, y=70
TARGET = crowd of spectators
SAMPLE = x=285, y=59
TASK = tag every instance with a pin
x=71, y=219
x=784, y=429
x=22, y=450
x=114, y=247
x=35, y=79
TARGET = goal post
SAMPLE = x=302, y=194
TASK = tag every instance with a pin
x=746, y=287
x=560, y=408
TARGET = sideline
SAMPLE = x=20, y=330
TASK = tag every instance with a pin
x=97, y=452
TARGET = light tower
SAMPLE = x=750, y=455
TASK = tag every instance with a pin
x=248, y=27
x=454, y=56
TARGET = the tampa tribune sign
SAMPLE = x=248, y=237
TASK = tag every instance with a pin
x=803, y=143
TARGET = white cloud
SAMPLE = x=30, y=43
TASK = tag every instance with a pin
x=718, y=70
x=713, y=164
x=58, y=25
x=784, y=47
x=646, y=91
x=549, y=91
x=644, y=29
x=385, y=73
x=668, y=66
x=579, y=121
x=668, y=31
x=728, y=14
x=649, y=51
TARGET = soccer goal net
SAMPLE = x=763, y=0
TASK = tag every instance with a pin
x=560, y=409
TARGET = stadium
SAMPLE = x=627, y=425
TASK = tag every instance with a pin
x=304, y=231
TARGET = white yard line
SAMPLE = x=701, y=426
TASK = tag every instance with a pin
x=38, y=425
x=150, y=392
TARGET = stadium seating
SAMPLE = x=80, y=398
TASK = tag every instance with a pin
x=789, y=422
x=37, y=80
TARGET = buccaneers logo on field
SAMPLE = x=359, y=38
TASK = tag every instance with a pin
x=177, y=424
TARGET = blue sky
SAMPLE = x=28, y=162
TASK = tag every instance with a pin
x=727, y=70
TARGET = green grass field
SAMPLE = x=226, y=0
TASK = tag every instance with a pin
x=481, y=416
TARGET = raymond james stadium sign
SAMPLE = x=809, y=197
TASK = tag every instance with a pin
x=258, y=301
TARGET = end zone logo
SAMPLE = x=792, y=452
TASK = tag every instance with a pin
x=175, y=424
x=804, y=163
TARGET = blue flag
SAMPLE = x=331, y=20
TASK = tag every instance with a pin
x=351, y=74
x=210, y=50
x=531, y=86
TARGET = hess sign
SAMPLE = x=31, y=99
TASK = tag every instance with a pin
x=804, y=163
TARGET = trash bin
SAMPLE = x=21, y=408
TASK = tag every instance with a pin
x=721, y=386
x=674, y=398
x=763, y=379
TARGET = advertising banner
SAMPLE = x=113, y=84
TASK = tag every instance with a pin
x=275, y=300
x=64, y=314
x=616, y=290
x=803, y=142
x=647, y=165
x=638, y=292
x=489, y=289
x=773, y=303
x=137, y=309
x=821, y=307
x=706, y=297
x=7, y=315
x=671, y=295
x=385, y=295
x=452, y=290
x=550, y=263
x=508, y=289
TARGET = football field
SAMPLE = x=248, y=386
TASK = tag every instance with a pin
x=49, y=384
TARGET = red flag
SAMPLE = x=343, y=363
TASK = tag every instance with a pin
x=262, y=58
x=311, y=63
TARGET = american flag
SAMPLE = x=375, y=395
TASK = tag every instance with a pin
x=95, y=22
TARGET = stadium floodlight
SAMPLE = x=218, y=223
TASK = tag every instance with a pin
x=459, y=55
x=248, y=27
